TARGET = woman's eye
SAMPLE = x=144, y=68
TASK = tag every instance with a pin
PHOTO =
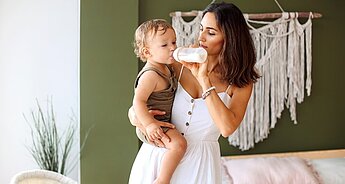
x=174, y=43
x=211, y=33
x=164, y=45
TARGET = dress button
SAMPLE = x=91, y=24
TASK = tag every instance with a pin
x=187, y=124
x=192, y=100
x=189, y=113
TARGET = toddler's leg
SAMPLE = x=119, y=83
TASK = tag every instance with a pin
x=172, y=157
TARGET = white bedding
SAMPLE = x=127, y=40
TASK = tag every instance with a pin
x=289, y=170
x=330, y=170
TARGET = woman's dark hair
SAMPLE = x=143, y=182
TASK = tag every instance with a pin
x=237, y=57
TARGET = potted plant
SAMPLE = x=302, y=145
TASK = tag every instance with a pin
x=51, y=148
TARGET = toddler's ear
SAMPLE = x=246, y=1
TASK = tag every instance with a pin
x=146, y=52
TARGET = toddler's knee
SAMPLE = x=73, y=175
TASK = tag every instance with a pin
x=180, y=145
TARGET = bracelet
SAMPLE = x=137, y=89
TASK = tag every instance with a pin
x=207, y=92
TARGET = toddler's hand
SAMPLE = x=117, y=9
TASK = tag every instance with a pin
x=154, y=132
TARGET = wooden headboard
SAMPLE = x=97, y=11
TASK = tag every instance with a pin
x=334, y=153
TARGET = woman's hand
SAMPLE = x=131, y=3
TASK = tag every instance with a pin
x=155, y=128
x=199, y=70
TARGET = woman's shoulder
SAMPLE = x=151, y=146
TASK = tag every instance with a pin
x=177, y=68
x=238, y=90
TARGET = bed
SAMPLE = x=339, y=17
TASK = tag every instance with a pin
x=308, y=167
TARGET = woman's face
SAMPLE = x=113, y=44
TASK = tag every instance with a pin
x=210, y=37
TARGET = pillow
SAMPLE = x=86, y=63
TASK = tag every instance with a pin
x=331, y=170
x=226, y=178
x=270, y=170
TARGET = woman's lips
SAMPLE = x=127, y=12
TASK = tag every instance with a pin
x=203, y=46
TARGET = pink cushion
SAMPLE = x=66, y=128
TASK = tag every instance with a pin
x=270, y=170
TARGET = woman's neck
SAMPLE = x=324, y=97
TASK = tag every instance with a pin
x=212, y=64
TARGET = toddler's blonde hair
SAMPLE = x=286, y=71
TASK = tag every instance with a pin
x=146, y=29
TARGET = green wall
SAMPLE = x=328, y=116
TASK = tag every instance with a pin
x=108, y=68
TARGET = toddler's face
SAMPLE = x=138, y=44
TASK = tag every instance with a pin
x=161, y=46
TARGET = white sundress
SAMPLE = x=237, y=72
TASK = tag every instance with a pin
x=201, y=163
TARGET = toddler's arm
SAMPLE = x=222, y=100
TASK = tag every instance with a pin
x=146, y=85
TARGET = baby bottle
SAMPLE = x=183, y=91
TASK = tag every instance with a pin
x=196, y=55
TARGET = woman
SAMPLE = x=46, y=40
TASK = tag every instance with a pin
x=211, y=99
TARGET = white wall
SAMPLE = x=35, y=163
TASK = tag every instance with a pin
x=39, y=58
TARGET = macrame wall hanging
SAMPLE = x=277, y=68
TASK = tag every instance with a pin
x=284, y=58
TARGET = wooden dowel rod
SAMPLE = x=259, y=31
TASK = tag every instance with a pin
x=258, y=16
x=261, y=16
x=185, y=14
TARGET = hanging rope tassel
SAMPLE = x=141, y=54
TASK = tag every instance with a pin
x=283, y=50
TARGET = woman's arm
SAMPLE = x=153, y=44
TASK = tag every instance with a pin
x=134, y=121
x=228, y=118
